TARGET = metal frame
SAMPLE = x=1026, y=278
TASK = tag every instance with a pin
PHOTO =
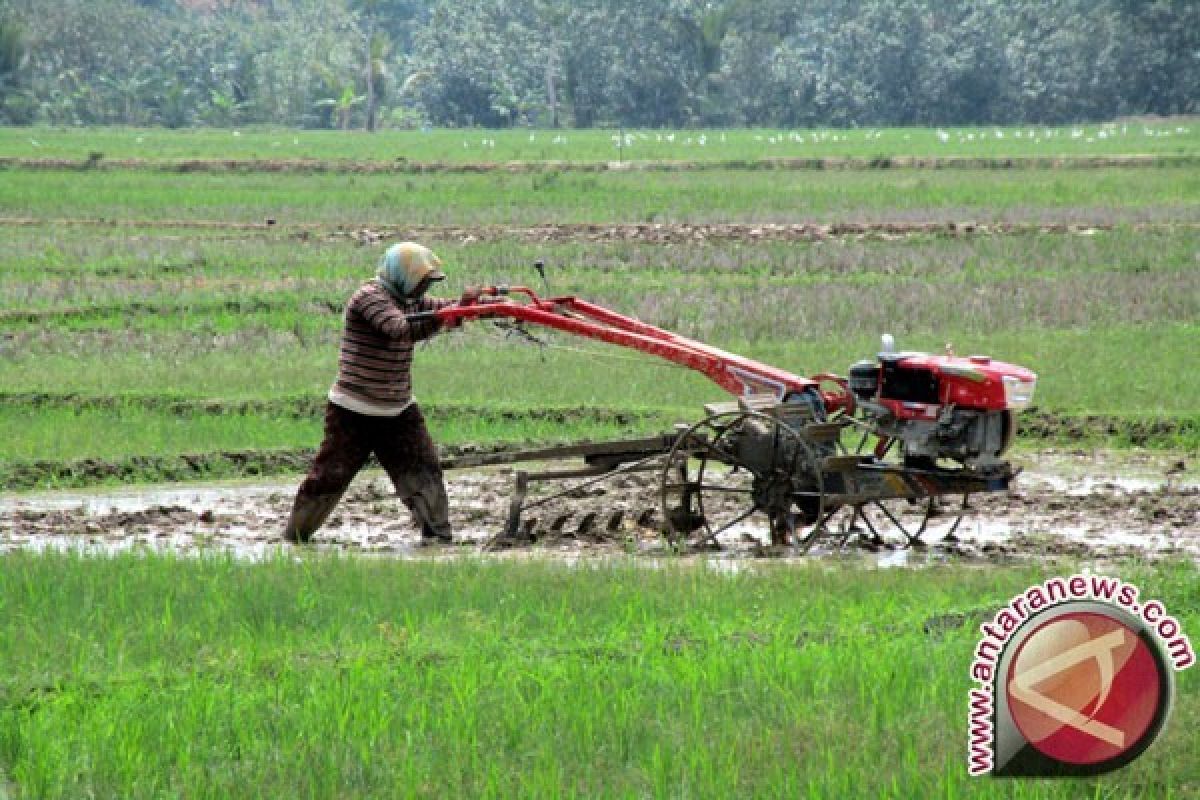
x=843, y=480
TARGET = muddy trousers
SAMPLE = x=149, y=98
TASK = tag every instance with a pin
x=405, y=450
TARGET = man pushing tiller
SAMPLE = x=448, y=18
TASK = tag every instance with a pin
x=371, y=408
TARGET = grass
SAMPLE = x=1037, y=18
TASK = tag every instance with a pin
x=37, y=433
x=145, y=676
x=158, y=350
x=709, y=196
x=62, y=434
x=150, y=310
x=1162, y=137
x=470, y=395
x=1117, y=370
x=122, y=281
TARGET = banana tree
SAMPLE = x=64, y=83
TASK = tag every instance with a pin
x=342, y=106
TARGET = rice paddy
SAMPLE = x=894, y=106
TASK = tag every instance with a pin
x=159, y=324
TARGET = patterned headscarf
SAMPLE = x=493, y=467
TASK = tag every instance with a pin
x=405, y=265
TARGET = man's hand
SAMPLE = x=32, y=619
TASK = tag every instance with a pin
x=470, y=296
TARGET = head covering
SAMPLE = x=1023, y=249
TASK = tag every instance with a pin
x=405, y=265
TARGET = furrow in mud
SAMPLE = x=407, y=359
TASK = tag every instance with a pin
x=1043, y=517
x=405, y=166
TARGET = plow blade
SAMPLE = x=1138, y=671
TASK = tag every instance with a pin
x=600, y=456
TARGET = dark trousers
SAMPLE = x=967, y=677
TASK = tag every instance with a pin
x=403, y=447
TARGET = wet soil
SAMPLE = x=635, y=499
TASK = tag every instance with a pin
x=1066, y=506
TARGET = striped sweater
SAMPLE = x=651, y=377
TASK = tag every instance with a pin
x=375, y=359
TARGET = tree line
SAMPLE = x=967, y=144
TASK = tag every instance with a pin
x=584, y=63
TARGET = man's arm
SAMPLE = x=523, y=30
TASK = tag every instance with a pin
x=381, y=314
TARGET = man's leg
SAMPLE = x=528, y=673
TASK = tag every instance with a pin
x=342, y=454
x=407, y=452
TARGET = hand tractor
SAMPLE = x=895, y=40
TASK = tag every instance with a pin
x=896, y=448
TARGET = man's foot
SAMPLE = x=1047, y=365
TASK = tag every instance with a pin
x=431, y=537
x=308, y=514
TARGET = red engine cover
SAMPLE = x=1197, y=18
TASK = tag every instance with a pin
x=975, y=383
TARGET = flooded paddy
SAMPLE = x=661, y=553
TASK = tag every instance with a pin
x=1075, y=505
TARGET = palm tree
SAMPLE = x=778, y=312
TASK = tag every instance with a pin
x=375, y=74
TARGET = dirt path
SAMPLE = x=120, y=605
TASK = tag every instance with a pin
x=1068, y=505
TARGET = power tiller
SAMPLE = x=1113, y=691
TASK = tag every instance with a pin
x=893, y=450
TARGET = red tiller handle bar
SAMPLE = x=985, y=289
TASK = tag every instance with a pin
x=736, y=374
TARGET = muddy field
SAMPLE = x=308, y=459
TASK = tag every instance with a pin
x=668, y=233
x=1065, y=505
x=405, y=166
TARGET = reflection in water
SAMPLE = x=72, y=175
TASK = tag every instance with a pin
x=1070, y=513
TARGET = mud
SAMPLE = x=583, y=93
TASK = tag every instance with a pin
x=1070, y=506
x=660, y=233
x=676, y=233
x=404, y=166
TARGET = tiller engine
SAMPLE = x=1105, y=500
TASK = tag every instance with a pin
x=897, y=447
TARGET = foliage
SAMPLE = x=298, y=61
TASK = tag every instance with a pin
x=15, y=103
x=591, y=63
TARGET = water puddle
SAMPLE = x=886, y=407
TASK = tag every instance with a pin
x=1067, y=505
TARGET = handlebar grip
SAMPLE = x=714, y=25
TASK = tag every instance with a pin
x=421, y=316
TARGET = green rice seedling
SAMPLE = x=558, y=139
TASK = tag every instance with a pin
x=1082, y=371
x=708, y=196
x=253, y=313
x=142, y=676
x=749, y=146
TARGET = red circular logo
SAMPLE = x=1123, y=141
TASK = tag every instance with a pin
x=1084, y=688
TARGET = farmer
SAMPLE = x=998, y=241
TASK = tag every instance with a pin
x=371, y=408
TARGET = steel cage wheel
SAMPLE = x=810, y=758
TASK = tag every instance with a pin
x=896, y=521
x=709, y=488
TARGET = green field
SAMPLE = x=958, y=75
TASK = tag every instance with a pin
x=1166, y=194
x=1151, y=137
x=153, y=327
x=143, y=677
x=140, y=331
